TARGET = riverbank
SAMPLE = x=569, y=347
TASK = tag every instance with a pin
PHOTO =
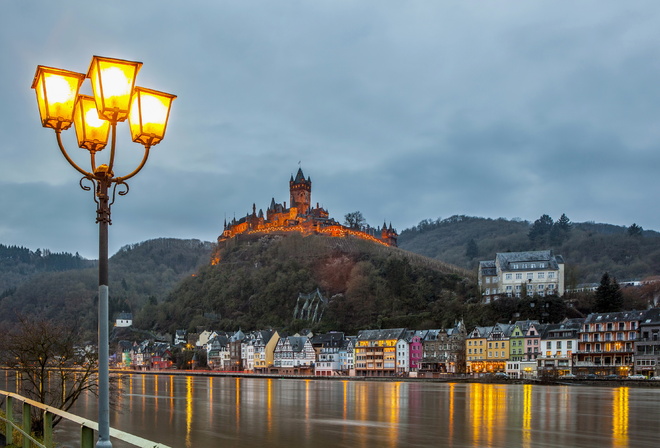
x=447, y=379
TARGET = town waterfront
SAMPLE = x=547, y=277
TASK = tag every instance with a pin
x=185, y=411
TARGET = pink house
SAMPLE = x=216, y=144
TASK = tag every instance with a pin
x=416, y=349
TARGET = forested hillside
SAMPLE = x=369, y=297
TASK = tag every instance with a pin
x=139, y=273
x=257, y=283
x=17, y=264
x=589, y=249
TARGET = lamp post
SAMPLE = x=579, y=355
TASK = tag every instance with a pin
x=116, y=99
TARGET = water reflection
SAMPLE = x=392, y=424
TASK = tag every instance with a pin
x=241, y=412
x=527, y=416
x=620, y=417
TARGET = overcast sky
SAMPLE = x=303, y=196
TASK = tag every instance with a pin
x=403, y=110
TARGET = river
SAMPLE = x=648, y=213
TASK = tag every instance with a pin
x=183, y=411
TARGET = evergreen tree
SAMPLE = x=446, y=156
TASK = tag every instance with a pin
x=609, y=297
x=635, y=230
x=563, y=223
x=560, y=230
x=540, y=229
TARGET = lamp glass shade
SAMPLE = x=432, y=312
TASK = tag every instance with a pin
x=56, y=91
x=112, y=83
x=91, y=131
x=150, y=111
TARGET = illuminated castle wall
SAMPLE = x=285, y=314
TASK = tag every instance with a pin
x=301, y=217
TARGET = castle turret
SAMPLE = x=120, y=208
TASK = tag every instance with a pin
x=389, y=235
x=301, y=192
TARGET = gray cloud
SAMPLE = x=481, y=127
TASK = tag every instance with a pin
x=405, y=111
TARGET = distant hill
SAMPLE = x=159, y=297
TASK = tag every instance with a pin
x=589, y=249
x=139, y=274
x=18, y=264
x=428, y=281
x=257, y=282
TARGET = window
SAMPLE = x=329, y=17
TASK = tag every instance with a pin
x=622, y=326
x=548, y=345
x=508, y=276
x=530, y=275
x=487, y=279
x=517, y=287
x=540, y=287
x=487, y=291
x=569, y=345
x=558, y=345
x=551, y=286
x=540, y=275
x=516, y=266
x=518, y=275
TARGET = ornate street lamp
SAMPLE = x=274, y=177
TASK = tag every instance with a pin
x=115, y=99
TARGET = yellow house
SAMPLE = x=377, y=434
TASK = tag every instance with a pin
x=264, y=350
x=476, y=349
x=497, y=352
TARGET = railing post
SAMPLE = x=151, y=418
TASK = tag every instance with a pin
x=86, y=437
x=9, y=413
x=27, y=423
x=48, y=429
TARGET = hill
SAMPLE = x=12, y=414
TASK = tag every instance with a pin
x=139, y=274
x=258, y=280
x=589, y=249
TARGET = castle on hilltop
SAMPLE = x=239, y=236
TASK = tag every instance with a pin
x=301, y=217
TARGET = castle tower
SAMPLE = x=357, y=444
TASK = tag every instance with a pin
x=301, y=192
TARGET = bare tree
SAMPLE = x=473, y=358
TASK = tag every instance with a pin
x=53, y=369
x=354, y=220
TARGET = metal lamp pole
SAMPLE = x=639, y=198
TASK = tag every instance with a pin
x=116, y=99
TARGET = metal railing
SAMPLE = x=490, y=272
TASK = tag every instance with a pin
x=87, y=427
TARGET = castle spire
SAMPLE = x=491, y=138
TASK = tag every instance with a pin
x=300, y=177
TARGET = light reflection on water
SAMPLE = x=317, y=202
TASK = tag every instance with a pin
x=244, y=412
